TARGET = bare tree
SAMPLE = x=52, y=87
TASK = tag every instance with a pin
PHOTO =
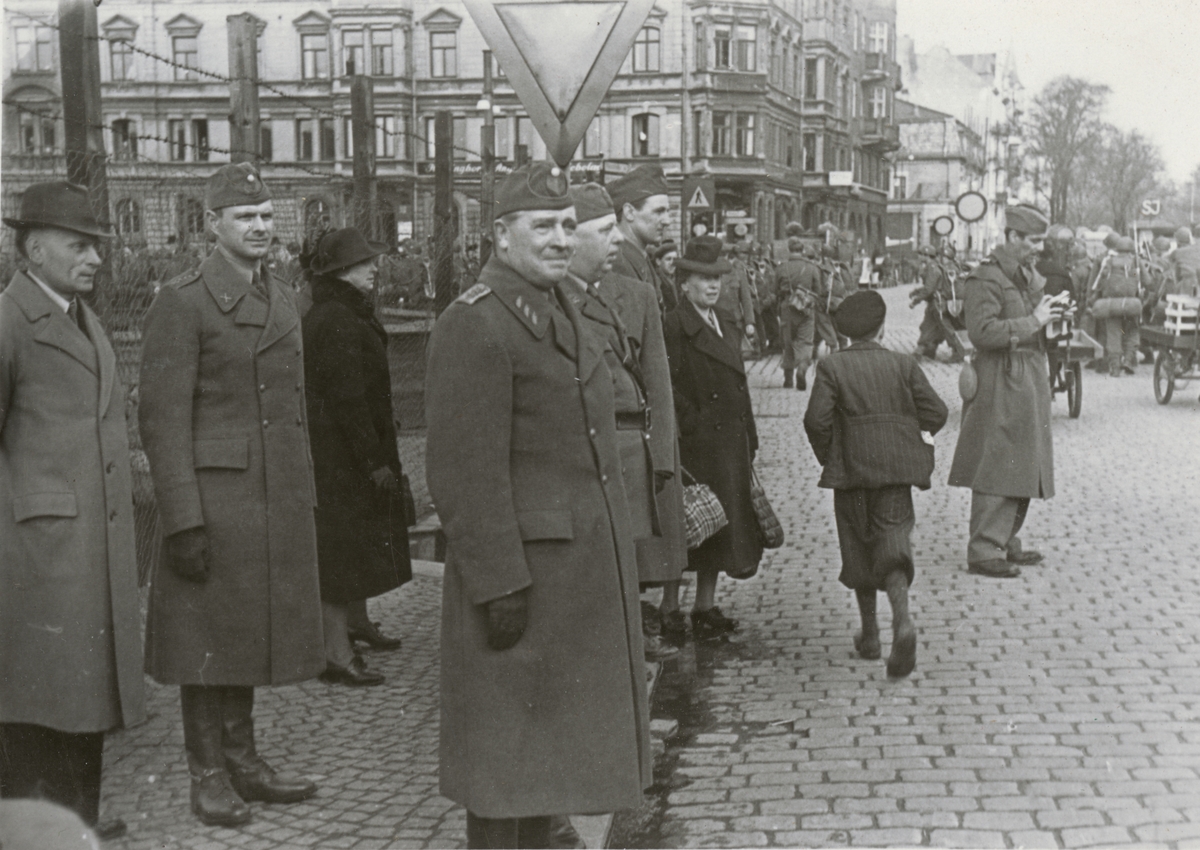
x=1130, y=164
x=1064, y=125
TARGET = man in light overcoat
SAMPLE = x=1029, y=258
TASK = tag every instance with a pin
x=70, y=642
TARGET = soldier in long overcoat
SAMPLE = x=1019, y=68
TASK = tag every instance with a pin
x=543, y=708
x=235, y=600
x=70, y=643
x=643, y=204
x=1004, y=452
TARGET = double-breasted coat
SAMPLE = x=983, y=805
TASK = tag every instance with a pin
x=362, y=535
x=224, y=426
x=1004, y=446
x=523, y=466
x=718, y=438
x=70, y=631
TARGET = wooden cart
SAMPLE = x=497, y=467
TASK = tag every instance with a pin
x=1176, y=346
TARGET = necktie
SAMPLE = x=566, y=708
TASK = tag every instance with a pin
x=76, y=316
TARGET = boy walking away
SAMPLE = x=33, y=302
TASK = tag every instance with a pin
x=865, y=416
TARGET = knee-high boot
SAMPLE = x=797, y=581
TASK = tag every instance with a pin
x=253, y=778
x=214, y=801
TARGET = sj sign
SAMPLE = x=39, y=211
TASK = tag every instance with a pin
x=560, y=58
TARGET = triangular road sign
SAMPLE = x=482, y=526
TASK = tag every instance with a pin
x=698, y=199
x=560, y=58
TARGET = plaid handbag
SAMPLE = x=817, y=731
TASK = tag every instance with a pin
x=703, y=515
x=769, y=529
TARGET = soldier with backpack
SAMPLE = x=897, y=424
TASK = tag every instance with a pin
x=1115, y=298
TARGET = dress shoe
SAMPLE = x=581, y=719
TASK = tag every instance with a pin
x=674, y=624
x=110, y=828
x=263, y=785
x=373, y=638
x=994, y=569
x=656, y=649
x=355, y=676
x=1026, y=557
x=801, y=383
x=867, y=648
x=215, y=802
x=903, y=657
x=711, y=623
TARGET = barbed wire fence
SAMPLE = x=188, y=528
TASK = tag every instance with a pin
x=157, y=213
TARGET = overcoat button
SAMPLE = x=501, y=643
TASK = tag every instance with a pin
x=265, y=423
x=591, y=432
x=603, y=479
x=111, y=466
x=299, y=421
x=262, y=388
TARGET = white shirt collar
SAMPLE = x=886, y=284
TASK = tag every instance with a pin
x=710, y=316
x=54, y=296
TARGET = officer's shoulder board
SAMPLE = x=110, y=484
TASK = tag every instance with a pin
x=473, y=294
x=184, y=279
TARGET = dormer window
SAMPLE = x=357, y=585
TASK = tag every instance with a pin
x=185, y=46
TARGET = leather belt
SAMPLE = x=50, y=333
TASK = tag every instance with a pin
x=637, y=420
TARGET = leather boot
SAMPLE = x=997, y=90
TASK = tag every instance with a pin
x=787, y=379
x=251, y=777
x=214, y=802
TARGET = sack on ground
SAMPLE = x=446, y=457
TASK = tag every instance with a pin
x=703, y=515
x=770, y=531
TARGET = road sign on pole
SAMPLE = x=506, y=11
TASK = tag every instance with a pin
x=560, y=58
x=699, y=193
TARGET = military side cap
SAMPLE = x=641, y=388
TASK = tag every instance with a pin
x=58, y=204
x=927, y=251
x=1026, y=219
x=537, y=186
x=233, y=185
x=666, y=247
x=643, y=182
x=860, y=314
x=591, y=201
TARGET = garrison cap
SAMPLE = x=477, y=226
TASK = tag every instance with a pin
x=235, y=184
x=643, y=182
x=1026, y=219
x=591, y=201
x=860, y=314
x=668, y=246
x=927, y=251
x=536, y=186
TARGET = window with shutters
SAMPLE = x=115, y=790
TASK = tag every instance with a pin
x=645, y=134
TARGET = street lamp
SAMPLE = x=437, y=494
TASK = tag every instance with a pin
x=487, y=156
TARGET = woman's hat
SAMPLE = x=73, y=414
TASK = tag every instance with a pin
x=58, y=204
x=703, y=254
x=342, y=249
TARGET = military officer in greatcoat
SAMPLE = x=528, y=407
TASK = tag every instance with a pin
x=235, y=600
x=543, y=686
x=1004, y=452
x=70, y=642
x=643, y=204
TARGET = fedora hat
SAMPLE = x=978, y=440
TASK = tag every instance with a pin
x=703, y=254
x=343, y=248
x=58, y=204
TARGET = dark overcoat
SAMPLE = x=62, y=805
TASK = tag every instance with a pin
x=524, y=469
x=70, y=631
x=632, y=262
x=362, y=536
x=717, y=436
x=224, y=426
x=663, y=557
x=1004, y=446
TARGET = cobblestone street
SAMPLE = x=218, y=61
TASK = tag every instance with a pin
x=1060, y=709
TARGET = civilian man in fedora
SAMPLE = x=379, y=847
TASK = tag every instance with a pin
x=235, y=600
x=70, y=648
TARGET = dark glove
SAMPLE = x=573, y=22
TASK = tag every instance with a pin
x=187, y=554
x=661, y=477
x=385, y=479
x=507, y=617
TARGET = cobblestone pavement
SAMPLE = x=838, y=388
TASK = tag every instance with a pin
x=1060, y=709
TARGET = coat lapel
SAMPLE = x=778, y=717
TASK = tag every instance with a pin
x=105, y=357
x=705, y=339
x=524, y=300
x=281, y=318
x=58, y=331
x=588, y=347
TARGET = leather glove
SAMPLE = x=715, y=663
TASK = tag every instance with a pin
x=385, y=479
x=507, y=617
x=187, y=554
x=661, y=477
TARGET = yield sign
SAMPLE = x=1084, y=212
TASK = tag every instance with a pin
x=560, y=58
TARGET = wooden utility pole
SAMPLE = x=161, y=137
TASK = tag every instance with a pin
x=487, y=156
x=79, y=57
x=444, y=223
x=245, y=138
x=362, y=120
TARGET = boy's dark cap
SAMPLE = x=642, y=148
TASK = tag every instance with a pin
x=860, y=315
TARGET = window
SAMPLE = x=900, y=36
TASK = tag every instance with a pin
x=722, y=131
x=839, y=97
x=177, y=133
x=266, y=151
x=773, y=58
x=524, y=136
x=185, y=50
x=701, y=46
x=129, y=217
x=810, y=79
x=305, y=142
x=879, y=37
x=722, y=50
x=443, y=54
x=900, y=187
x=124, y=140
x=879, y=102
x=646, y=50
x=314, y=56
x=504, y=138
x=385, y=136
x=645, y=134
x=745, y=134
x=383, y=63
x=37, y=133
x=120, y=59
x=747, y=49
x=810, y=152
x=35, y=47
x=200, y=138
x=191, y=219
x=327, y=148
x=698, y=133
x=353, y=52
x=458, y=138
x=348, y=137
x=591, y=139
x=797, y=71
x=831, y=78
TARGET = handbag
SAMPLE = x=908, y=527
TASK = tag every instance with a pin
x=769, y=529
x=703, y=515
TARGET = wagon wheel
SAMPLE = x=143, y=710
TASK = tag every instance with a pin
x=1164, y=377
x=1073, y=378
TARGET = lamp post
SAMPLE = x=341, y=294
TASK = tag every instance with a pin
x=487, y=156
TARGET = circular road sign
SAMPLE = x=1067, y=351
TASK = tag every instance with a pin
x=943, y=225
x=971, y=206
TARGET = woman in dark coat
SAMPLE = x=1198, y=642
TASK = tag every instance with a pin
x=362, y=534
x=717, y=439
